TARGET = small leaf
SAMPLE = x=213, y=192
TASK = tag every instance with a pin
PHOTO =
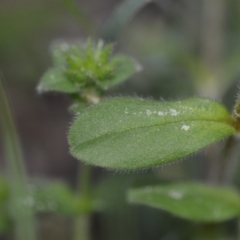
x=55, y=80
x=125, y=68
x=58, y=52
x=192, y=201
x=134, y=134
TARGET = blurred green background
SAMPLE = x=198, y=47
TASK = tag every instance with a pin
x=185, y=48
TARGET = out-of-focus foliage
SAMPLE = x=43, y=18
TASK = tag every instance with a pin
x=192, y=201
x=55, y=197
x=5, y=221
x=120, y=17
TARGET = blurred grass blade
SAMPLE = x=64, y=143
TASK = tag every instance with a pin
x=120, y=17
x=192, y=201
x=128, y=134
x=79, y=15
x=231, y=71
x=20, y=211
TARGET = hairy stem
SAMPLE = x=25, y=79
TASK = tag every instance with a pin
x=231, y=152
x=236, y=114
x=82, y=223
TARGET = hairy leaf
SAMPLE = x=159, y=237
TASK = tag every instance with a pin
x=85, y=69
x=190, y=200
x=55, y=80
x=134, y=133
x=125, y=68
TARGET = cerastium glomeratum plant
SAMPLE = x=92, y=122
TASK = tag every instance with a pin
x=134, y=133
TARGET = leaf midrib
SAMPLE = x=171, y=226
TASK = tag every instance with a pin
x=227, y=122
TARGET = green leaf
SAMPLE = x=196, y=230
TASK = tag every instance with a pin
x=134, y=133
x=125, y=68
x=55, y=80
x=192, y=201
x=83, y=69
x=58, y=52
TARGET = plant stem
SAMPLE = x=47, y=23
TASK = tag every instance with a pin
x=229, y=161
x=231, y=152
x=22, y=213
x=82, y=227
x=213, y=34
x=85, y=181
x=212, y=46
x=82, y=223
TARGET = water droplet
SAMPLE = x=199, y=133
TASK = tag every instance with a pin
x=148, y=189
x=52, y=205
x=217, y=212
x=40, y=207
x=28, y=201
x=39, y=88
x=160, y=113
x=64, y=46
x=31, y=187
x=174, y=112
x=148, y=112
x=176, y=195
x=185, y=127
